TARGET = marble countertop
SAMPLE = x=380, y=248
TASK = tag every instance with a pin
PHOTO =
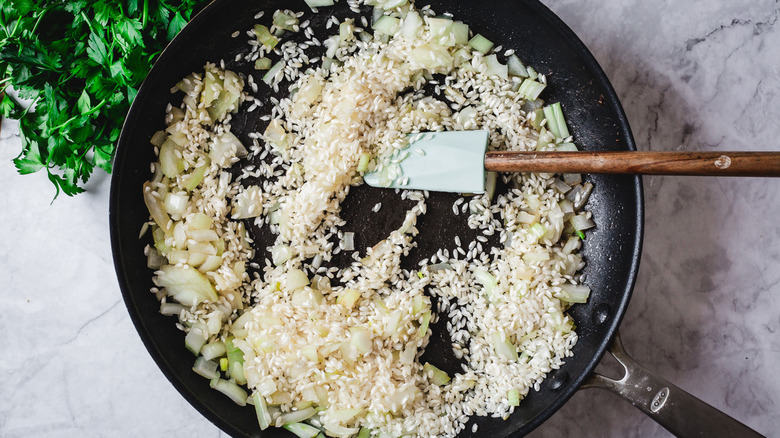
x=705, y=313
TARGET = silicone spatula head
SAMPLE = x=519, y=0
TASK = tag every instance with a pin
x=451, y=161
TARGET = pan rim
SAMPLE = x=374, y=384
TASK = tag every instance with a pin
x=123, y=149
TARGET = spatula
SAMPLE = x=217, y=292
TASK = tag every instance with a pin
x=456, y=161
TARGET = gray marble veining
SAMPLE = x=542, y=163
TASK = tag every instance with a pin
x=705, y=313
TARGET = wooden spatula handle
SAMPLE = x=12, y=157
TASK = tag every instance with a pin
x=638, y=163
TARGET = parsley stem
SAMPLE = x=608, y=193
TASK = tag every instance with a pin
x=91, y=110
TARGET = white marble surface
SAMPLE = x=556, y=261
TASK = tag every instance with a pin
x=706, y=308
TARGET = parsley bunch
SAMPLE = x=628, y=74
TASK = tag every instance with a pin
x=80, y=63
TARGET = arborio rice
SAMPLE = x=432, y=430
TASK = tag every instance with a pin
x=319, y=348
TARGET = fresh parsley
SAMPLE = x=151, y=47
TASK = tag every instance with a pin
x=80, y=63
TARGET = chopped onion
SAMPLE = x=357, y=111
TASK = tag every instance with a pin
x=268, y=78
x=495, y=68
x=513, y=397
x=280, y=254
x=574, y=293
x=231, y=390
x=169, y=309
x=348, y=241
x=437, y=376
x=261, y=409
x=348, y=298
x=313, y=4
x=516, y=67
x=504, y=346
x=360, y=338
x=585, y=192
x=582, y=222
x=301, y=430
x=213, y=350
x=341, y=431
x=387, y=25
x=195, y=338
x=186, y=285
x=481, y=44
x=206, y=368
x=411, y=25
x=296, y=279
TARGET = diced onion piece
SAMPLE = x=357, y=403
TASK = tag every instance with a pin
x=513, y=397
x=310, y=353
x=566, y=147
x=158, y=138
x=169, y=309
x=313, y=4
x=203, y=235
x=363, y=162
x=154, y=260
x=495, y=68
x=276, y=134
x=348, y=241
x=504, y=346
x=226, y=148
x=171, y=163
x=285, y=21
x=390, y=4
x=196, y=258
x=348, y=298
x=301, y=430
x=213, y=350
x=481, y=44
x=536, y=256
x=387, y=25
x=460, y=32
x=555, y=120
x=228, y=98
x=237, y=372
x=186, y=285
x=212, y=86
x=488, y=281
x=196, y=338
x=178, y=256
x=268, y=78
x=582, y=199
x=437, y=376
x=531, y=89
x=343, y=415
x=206, y=368
x=360, y=338
x=296, y=279
x=263, y=63
x=340, y=431
x=261, y=409
x=574, y=293
x=212, y=263
x=411, y=26
x=265, y=37
x=231, y=390
x=426, y=320
x=192, y=179
x=582, y=222
x=516, y=67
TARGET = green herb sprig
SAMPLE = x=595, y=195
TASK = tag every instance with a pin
x=80, y=63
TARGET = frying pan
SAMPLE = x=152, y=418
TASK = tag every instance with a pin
x=596, y=120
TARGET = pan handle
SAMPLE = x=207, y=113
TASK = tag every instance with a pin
x=679, y=412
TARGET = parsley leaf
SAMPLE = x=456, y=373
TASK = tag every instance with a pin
x=81, y=63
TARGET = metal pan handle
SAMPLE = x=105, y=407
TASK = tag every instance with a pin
x=679, y=412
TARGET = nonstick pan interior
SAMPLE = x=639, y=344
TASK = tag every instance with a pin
x=541, y=40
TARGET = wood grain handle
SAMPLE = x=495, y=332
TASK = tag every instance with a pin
x=638, y=163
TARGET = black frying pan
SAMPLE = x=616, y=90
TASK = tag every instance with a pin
x=541, y=40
